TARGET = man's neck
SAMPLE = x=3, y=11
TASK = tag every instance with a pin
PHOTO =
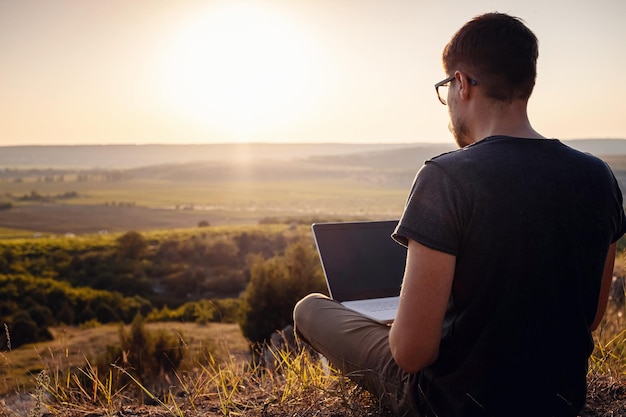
x=510, y=119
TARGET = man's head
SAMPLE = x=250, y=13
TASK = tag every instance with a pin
x=499, y=51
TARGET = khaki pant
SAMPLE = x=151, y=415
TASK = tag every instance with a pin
x=358, y=347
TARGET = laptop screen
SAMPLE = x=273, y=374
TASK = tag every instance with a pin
x=360, y=259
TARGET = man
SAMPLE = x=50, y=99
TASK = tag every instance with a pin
x=511, y=244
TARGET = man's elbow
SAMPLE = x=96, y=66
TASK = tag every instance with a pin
x=414, y=359
x=596, y=322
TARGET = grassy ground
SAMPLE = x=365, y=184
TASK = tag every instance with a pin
x=73, y=346
x=224, y=384
x=54, y=378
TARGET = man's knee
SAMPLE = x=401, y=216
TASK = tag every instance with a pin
x=305, y=308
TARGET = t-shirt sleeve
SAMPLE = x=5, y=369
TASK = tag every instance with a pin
x=435, y=211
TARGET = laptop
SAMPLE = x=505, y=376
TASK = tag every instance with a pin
x=363, y=265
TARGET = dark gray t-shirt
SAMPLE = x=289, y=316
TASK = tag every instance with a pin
x=530, y=222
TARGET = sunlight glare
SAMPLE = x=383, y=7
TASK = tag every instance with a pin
x=241, y=70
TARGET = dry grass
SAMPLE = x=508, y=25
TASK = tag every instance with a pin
x=73, y=346
x=606, y=394
x=299, y=383
x=222, y=383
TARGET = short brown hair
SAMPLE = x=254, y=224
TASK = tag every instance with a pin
x=499, y=51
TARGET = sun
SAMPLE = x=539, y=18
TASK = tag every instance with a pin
x=240, y=70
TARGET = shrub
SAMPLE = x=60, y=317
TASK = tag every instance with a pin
x=224, y=310
x=105, y=314
x=145, y=355
x=131, y=245
x=23, y=330
x=65, y=315
x=275, y=286
x=41, y=315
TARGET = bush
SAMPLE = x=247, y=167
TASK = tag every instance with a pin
x=145, y=355
x=65, y=315
x=275, y=286
x=131, y=245
x=105, y=314
x=24, y=330
x=224, y=310
x=41, y=315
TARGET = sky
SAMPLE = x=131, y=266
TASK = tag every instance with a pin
x=220, y=71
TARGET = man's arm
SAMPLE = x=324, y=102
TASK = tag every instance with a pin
x=605, y=287
x=416, y=332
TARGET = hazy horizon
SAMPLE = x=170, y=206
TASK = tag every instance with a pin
x=409, y=143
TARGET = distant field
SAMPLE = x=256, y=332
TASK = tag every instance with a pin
x=270, y=194
x=239, y=185
x=145, y=204
x=182, y=195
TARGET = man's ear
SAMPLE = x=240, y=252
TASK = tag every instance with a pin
x=464, y=85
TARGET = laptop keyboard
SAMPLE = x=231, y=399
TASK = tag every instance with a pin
x=379, y=305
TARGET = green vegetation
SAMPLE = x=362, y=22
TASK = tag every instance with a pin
x=194, y=275
x=145, y=279
x=9, y=233
x=145, y=355
x=275, y=286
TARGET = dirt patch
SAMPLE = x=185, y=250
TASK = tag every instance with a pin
x=606, y=397
x=78, y=219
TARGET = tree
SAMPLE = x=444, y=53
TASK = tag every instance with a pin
x=24, y=330
x=41, y=315
x=131, y=245
x=263, y=309
x=65, y=314
x=7, y=259
x=275, y=286
x=222, y=252
x=105, y=314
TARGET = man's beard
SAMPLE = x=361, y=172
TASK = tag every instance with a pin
x=460, y=131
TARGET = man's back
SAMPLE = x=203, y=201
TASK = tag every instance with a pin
x=530, y=222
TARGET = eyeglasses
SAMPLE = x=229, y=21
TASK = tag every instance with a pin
x=446, y=83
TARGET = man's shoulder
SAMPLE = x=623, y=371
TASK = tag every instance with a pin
x=511, y=155
x=444, y=156
x=509, y=147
